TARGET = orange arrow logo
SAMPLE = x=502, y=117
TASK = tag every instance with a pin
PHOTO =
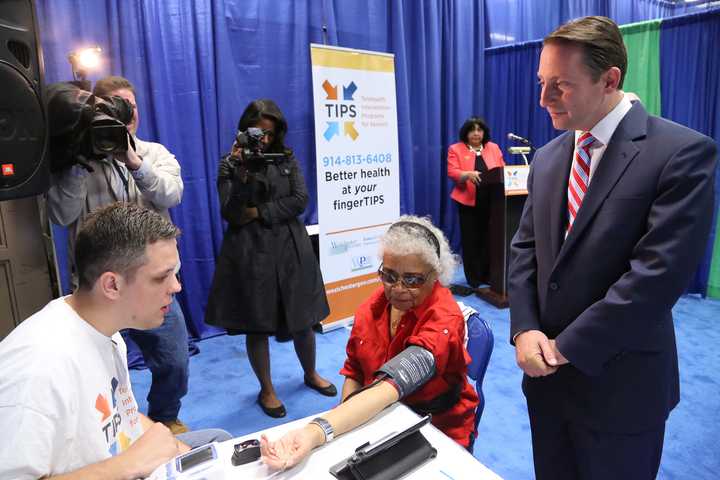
x=349, y=129
x=101, y=405
x=330, y=90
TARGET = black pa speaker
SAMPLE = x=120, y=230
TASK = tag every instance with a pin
x=24, y=169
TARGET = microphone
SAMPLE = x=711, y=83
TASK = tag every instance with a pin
x=518, y=138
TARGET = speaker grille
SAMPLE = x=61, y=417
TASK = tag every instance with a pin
x=20, y=51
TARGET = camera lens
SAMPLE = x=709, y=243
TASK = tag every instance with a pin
x=104, y=139
x=108, y=136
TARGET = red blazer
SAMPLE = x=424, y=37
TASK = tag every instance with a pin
x=436, y=325
x=461, y=159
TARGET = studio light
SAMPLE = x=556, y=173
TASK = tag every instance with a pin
x=83, y=61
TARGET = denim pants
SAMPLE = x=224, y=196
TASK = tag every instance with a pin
x=165, y=350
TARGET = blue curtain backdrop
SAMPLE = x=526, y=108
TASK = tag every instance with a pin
x=512, y=97
x=196, y=64
x=690, y=92
x=517, y=21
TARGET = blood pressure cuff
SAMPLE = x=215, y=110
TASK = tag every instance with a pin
x=408, y=370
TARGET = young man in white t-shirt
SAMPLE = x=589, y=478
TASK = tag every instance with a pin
x=66, y=407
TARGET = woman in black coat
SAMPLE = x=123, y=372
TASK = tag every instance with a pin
x=267, y=279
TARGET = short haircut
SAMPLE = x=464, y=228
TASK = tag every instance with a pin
x=402, y=239
x=106, y=85
x=470, y=125
x=601, y=42
x=266, y=108
x=114, y=239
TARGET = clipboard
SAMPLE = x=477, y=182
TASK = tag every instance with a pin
x=389, y=458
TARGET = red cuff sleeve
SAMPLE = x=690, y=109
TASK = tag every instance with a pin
x=351, y=368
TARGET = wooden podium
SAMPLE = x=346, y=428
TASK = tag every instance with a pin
x=507, y=198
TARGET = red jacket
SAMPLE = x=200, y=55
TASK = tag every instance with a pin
x=461, y=159
x=438, y=326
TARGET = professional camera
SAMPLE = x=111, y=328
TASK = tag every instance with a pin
x=85, y=127
x=253, y=156
x=108, y=127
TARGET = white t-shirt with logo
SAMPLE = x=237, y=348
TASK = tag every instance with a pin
x=65, y=398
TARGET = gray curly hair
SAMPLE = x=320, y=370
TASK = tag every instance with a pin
x=403, y=239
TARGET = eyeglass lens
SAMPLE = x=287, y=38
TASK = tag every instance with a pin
x=409, y=280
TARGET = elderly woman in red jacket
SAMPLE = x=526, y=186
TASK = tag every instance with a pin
x=468, y=161
x=411, y=315
x=413, y=307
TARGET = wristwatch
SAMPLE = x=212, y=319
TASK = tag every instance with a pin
x=326, y=428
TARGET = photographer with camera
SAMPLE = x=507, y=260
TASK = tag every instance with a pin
x=267, y=280
x=85, y=179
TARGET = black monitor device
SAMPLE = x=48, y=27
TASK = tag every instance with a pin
x=246, y=452
x=391, y=457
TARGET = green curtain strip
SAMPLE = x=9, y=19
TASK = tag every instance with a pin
x=713, y=288
x=642, y=41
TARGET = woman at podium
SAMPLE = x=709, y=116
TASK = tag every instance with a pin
x=468, y=160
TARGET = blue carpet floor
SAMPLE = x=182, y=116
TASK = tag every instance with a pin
x=223, y=393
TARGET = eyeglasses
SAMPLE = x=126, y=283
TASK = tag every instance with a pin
x=408, y=280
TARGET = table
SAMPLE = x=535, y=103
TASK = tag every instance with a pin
x=453, y=462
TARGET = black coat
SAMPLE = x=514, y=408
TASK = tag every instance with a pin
x=266, y=264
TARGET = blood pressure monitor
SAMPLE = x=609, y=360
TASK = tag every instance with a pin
x=197, y=460
x=200, y=463
x=209, y=462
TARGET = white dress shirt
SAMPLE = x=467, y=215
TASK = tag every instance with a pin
x=603, y=131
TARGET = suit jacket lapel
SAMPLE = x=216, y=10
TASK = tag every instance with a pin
x=620, y=152
x=557, y=186
x=467, y=161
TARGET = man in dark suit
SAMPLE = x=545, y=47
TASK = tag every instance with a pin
x=616, y=221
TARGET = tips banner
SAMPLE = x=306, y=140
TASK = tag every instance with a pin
x=358, y=185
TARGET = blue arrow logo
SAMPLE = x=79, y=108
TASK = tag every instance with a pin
x=349, y=91
x=332, y=130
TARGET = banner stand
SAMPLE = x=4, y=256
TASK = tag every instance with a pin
x=358, y=184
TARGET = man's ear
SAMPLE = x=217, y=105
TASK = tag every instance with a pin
x=110, y=285
x=612, y=78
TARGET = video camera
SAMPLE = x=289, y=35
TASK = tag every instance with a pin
x=253, y=156
x=85, y=127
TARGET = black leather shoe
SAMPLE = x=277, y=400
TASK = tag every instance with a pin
x=462, y=290
x=329, y=391
x=275, y=412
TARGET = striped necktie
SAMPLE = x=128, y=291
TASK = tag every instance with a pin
x=579, y=177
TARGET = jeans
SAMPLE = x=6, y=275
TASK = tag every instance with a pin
x=199, y=438
x=165, y=350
